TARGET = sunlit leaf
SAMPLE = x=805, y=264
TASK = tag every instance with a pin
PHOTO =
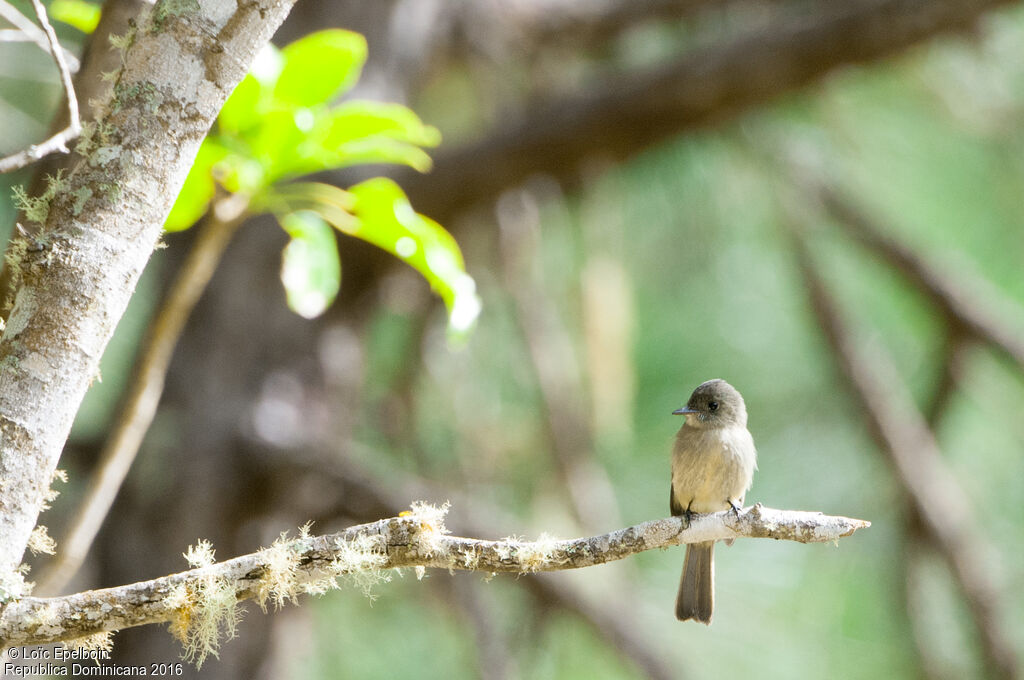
x=310, y=267
x=379, y=150
x=199, y=187
x=320, y=66
x=84, y=16
x=254, y=95
x=241, y=110
x=356, y=120
x=331, y=203
x=345, y=135
x=387, y=220
x=275, y=144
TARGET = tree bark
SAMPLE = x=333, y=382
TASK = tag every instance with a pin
x=97, y=227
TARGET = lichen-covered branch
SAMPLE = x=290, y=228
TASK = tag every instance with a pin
x=93, y=229
x=311, y=564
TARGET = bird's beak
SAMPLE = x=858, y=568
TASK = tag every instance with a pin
x=683, y=411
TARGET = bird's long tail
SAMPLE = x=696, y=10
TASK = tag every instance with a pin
x=696, y=599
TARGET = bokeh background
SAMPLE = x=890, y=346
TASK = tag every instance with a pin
x=821, y=204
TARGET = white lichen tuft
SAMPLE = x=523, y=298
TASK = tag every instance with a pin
x=205, y=609
x=471, y=558
x=432, y=528
x=431, y=515
x=280, y=564
x=46, y=620
x=536, y=554
x=360, y=561
x=200, y=555
x=40, y=542
x=13, y=584
x=508, y=547
x=51, y=493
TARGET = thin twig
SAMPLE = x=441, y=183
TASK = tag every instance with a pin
x=902, y=432
x=32, y=33
x=140, y=406
x=60, y=140
x=418, y=539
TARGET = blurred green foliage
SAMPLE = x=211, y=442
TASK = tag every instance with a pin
x=84, y=16
x=280, y=124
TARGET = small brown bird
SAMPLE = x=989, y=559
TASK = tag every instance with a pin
x=713, y=463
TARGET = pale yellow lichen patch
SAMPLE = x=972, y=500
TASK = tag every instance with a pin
x=51, y=493
x=13, y=584
x=506, y=548
x=37, y=365
x=46, y=620
x=431, y=524
x=206, y=609
x=280, y=563
x=663, y=531
x=361, y=560
x=534, y=555
x=40, y=542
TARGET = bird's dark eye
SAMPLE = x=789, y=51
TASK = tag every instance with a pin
x=712, y=405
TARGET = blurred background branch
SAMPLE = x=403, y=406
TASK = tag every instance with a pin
x=936, y=498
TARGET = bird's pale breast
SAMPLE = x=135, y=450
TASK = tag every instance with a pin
x=712, y=466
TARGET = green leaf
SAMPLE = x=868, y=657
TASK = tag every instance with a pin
x=356, y=120
x=386, y=219
x=254, y=95
x=319, y=67
x=331, y=203
x=241, y=110
x=276, y=143
x=84, y=16
x=199, y=187
x=365, y=132
x=310, y=267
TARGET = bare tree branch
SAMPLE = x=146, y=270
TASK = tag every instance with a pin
x=33, y=33
x=701, y=87
x=969, y=302
x=903, y=434
x=525, y=25
x=416, y=540
x=59, y=141
x=99, y=224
